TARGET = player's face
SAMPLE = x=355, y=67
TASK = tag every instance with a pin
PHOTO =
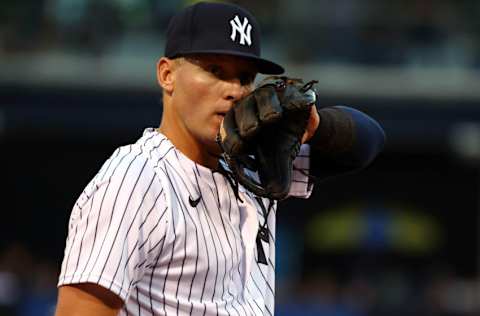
x=205, y=88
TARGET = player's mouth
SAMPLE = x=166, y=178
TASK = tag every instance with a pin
x=221, y=114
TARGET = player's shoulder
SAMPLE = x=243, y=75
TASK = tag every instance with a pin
x=154, y=145
x=146, y=152
x=134, y=165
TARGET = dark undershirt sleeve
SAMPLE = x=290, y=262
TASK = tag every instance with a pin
x=346, y=140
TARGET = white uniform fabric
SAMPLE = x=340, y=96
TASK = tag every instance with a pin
x=137, y=230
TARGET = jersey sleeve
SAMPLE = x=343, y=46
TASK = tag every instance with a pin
x=347, y=140
x=301, y=186
x=117, y=226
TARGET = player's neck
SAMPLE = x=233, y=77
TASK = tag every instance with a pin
x=190, y=147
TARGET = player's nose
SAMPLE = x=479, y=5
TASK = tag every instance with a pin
x=235, y=90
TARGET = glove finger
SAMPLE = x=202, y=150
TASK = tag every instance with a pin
x=268, y=104
x=294, y=99
x=231, y=141
x=275, y=162
x=246, y=116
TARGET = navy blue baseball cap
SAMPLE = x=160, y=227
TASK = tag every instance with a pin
x=217, y=28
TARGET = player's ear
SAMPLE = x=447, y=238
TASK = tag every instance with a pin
x=165, y=77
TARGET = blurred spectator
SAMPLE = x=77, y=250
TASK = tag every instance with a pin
x=370, y=32
x=319, y=296
x=40, y=297
x=15, y=271
x=9, y=292
x=21, y=24
x=27, y=284
x=86, y=25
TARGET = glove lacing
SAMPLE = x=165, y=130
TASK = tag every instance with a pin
x=232, y=180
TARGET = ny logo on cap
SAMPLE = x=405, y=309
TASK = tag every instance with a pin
x=243, y=28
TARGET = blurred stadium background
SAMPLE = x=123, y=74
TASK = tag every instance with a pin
x=77, y=79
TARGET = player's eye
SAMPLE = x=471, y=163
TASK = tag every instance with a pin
x=215, y=70
x=246, y=78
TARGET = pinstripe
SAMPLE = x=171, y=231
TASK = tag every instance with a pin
x=195, y=227
x=228, y=241
x=125, y=267
x=100, y=211
x=214, y=245
x=240, y=229
x=207, y=217
x=154, y=227
x=155, y=266
x=267, y=283
x=136, y=243
x=231, y=197
x=254, y=282
x=182, y=208
x=208, y=261
x=128, y=231
x=218, y=238
x=155, y=147
x=86, y=229
x=271, y=263
x=229, y=200
x=231, y=271
x=216, y=189
x=258, y=288
x=138, y=302
x=237, y=246
x=123, y=214
x=250, y=305
x=196, y=259
x=238, y=265
x=265, y=279
x=121, y=185
x=140, y=264
x=166, y=277
x=152, y=208
x=161, y=158
x=246, y=305
x=70, y=249
x=254, y=300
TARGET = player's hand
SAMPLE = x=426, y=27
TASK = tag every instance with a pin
x=264, y=131
x=312, y=125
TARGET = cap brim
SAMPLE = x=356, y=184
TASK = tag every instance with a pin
x=264, y=66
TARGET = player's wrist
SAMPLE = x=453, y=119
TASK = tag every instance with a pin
x=312, y=125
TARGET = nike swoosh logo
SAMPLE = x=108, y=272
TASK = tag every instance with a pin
x=193, y=202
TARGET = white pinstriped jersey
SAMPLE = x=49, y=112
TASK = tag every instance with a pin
x=169, y=236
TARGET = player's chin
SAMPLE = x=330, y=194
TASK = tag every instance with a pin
x=213, y=148
x=211, y=143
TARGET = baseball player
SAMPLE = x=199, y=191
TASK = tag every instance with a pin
x=164, y=228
